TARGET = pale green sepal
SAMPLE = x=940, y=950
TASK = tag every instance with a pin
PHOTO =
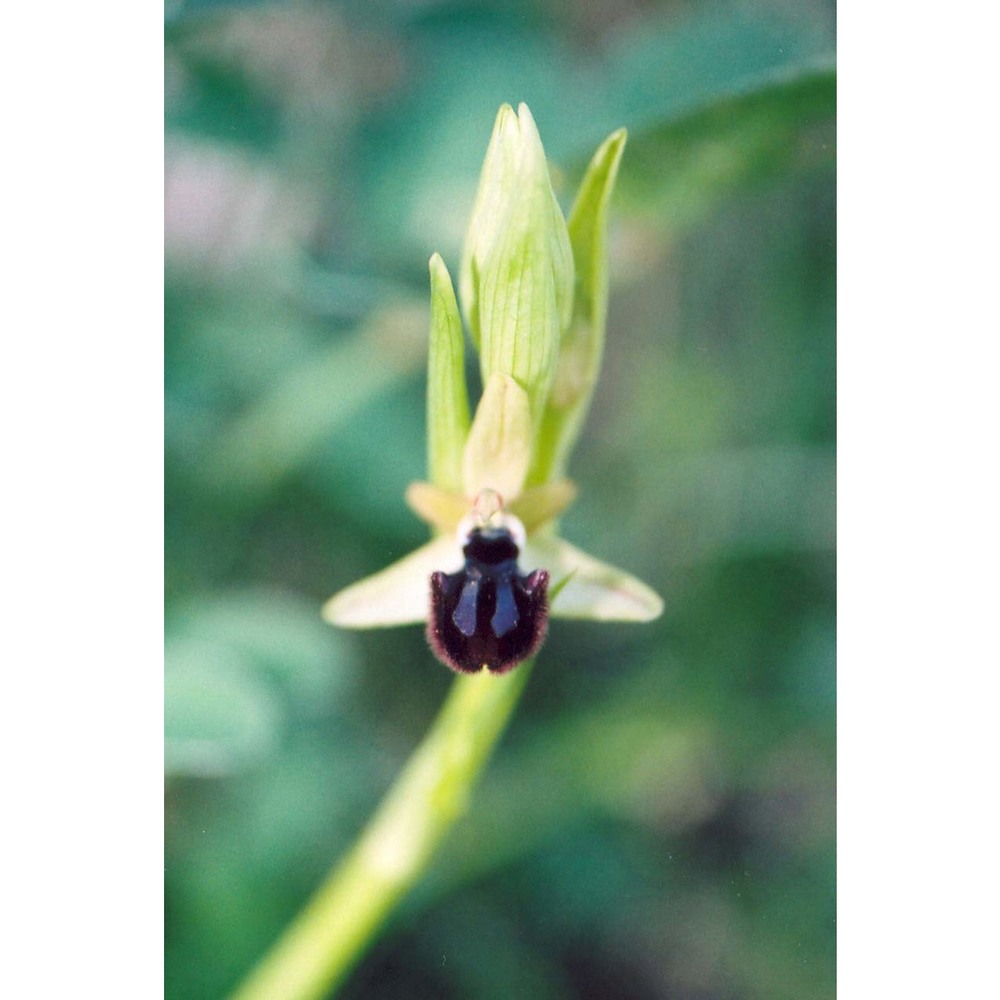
x=517, y=265
x=447, y=395
x=594, y=590
x=498, y=450
x=398, y=595
x=582, y=347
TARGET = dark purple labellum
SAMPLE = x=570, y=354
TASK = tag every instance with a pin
x=488, y=614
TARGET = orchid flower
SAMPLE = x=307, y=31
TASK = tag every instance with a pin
x=534, y=297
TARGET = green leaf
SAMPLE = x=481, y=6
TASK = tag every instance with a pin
x=219, y=717
x=276, y=635
x=774, y=123
x=447, y=395
x=582, y=346
x=283, y=428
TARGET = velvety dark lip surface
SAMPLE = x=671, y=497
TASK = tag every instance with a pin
x=488, y=614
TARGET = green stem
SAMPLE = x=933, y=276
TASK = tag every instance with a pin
x=328, y=937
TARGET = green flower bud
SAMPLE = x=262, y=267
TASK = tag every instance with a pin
x=516, y=278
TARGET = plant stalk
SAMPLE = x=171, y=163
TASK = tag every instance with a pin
x=331, y=933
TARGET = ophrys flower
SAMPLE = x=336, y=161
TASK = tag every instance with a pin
x=534, y=292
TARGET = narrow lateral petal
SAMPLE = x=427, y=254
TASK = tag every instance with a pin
x=541, y=504
x=442, y=509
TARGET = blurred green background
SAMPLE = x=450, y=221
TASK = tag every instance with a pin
x=658, y=822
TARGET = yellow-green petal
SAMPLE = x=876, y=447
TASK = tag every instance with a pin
x=441, y=509
x=539, y=505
